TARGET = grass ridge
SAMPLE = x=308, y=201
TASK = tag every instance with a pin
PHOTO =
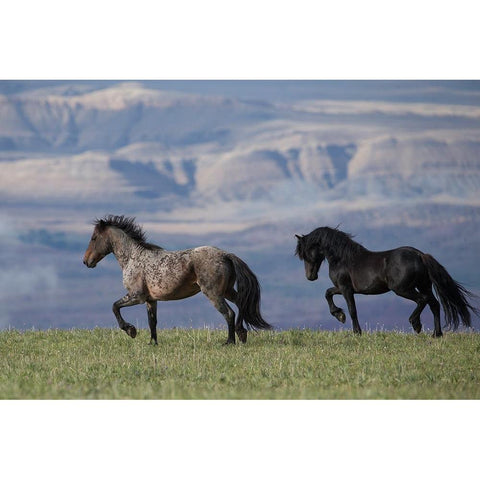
x=193, y=364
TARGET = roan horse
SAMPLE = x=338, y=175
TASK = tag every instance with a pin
x=406, y=271
x=151, y=273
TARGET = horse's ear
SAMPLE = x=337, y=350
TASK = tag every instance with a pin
x=299, y=237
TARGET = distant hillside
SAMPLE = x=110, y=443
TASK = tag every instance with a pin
x=128, y=143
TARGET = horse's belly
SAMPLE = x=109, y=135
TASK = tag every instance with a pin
x=174, y=292
x=172, y=277
x=375, y=289
x=369, y=284
x=368, y=277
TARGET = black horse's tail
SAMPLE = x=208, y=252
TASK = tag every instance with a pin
x=248, y=298
x=452, y=295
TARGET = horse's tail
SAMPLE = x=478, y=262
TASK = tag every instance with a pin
x=452, y=295
x=248, y=297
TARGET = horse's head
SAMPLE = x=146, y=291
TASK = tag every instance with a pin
x=99, y=246
x=311, y=255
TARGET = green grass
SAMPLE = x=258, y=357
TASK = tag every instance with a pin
x=193, y=364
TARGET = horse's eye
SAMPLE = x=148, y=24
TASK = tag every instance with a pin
x=94, y=238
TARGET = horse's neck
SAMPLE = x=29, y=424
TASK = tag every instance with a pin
x=331, y=257
x=122, y=246
x=335, y=255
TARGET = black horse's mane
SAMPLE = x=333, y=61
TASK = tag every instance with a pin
x=334, y=242
x=128, y=226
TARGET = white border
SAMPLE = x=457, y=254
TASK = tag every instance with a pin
x=252, y=39
x=239, y=439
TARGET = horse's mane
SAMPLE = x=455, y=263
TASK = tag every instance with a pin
x=335, y=243
x=128, y=226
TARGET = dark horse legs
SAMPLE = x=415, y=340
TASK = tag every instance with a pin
x=352, y=309
x=435, y=308
x=231, y=295
x=338, y=312
x=152, y=321
x=126, y=301
x=422, y=298
x=222, y=306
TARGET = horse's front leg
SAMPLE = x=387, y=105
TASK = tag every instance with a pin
x=337, y=312
x=126, y=301
x=152, y=321
x=352, y=309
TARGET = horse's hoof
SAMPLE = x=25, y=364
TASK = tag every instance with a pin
x=416, y=325
x=341, y=317
x=437, y=334
x=242, y=336
x=229, y=342
x=131, y=331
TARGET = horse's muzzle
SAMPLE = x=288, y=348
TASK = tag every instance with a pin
x=313, y=277
x=89, y=264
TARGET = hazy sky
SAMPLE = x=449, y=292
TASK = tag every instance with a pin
x=430, y=91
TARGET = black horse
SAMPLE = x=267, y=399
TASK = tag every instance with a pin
x=406, y=271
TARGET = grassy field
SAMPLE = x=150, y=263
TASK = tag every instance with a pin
x=193, y=364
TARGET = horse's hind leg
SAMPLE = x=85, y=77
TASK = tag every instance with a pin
x=435, y=308
x=231, y=295
x=222, y=306
x=421, y=300
x=152, y=321
x=337, y=312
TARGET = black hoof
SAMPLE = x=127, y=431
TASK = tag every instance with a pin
x=131, y=330
x=340, y=316
x=417, y=327
x=229, y=342
x=242, y=336
x=437, y=334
